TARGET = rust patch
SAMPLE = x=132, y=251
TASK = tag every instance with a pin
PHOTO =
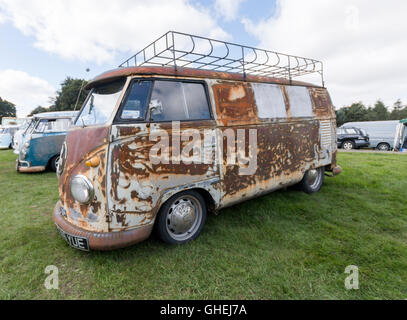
x=235, y=103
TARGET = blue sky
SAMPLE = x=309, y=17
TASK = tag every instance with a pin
x=42, y=42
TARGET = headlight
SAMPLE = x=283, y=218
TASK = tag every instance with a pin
x=27, y=145
x=82, y=189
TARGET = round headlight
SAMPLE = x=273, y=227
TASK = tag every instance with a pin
x=27, y=144
x=82, y=189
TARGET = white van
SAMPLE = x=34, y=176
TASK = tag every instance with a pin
x=381, y=133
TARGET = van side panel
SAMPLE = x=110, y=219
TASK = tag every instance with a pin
x=286, y=147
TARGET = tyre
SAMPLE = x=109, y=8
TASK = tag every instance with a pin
x=182, y=218
x=348, y=145
x=53, y=164
x=383, y=147
x=313, y=180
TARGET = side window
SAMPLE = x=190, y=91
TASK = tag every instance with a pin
x=178, y=101
x=351, y=131
x=269, y=100
x=136, y=103
x=300, y=101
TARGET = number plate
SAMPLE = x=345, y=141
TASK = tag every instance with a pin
x=80, y=243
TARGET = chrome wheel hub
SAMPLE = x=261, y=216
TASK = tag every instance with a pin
x=184, y=217
x=347, y=146
x=314, y=178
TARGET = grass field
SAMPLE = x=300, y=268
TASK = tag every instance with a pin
x=286, y=245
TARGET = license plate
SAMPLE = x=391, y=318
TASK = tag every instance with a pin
x=80, y=243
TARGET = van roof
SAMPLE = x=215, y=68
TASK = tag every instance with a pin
x=187, y=72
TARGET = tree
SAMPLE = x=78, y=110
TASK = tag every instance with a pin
x=378, y=113
x=7, y=109
x=399, y=111
x=67, y=97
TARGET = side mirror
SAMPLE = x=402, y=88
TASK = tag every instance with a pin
x=156, y=108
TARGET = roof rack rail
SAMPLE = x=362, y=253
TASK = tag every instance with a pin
x=178, y=50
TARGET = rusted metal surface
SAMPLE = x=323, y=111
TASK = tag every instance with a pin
x=82, y=145
x=130, y=186
x=187, y=72
x=136, y=184
x=103, y=241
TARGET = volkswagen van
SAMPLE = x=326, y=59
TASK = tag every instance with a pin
x=19, y=135
x=42, y=141
x=7, y=136
x=158, y=147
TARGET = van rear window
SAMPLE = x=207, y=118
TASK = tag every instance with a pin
x=300, y=101
x=269, y=100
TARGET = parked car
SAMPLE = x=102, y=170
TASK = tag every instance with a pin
x=400, y=141
x=155, y=147
x=6, y=136
x=381, y=133
x=352, y=138
x=43, y=140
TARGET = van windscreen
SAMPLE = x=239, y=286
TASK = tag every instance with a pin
x=100, y=104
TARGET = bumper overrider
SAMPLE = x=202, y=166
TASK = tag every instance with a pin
x=99, y=241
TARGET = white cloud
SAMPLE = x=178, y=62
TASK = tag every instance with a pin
x=362, y=43
x=25, y=91
x=96, y=30
x=228, y=8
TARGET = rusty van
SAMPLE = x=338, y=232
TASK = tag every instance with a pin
x=187, y=126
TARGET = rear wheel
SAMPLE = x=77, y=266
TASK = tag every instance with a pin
x=54, y=163
x=348, y=145
x=383, y=147
x=182, y=218
x=313, y=180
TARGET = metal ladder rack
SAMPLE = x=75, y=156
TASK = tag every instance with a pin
x=179, y=50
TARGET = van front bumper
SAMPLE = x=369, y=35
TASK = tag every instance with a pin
x=25, y=167
x=102, y=241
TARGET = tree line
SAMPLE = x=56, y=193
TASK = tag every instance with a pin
x=379, y=112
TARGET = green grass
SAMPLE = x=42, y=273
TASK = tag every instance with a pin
x=286, y=245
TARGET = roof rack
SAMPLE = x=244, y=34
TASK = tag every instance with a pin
x=176, y=49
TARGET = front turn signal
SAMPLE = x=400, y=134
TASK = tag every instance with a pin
x=93, y=163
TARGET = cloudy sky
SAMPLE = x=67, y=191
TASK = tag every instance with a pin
x=362, y=43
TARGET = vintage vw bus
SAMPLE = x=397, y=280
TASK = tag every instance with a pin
x=158, y=147
x=42, y=141
x=7, y=136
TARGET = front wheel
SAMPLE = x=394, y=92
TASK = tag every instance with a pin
x=182, y=218
x=53, y=164
x=313, y=180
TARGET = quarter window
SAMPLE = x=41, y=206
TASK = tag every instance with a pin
x=179, y=101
